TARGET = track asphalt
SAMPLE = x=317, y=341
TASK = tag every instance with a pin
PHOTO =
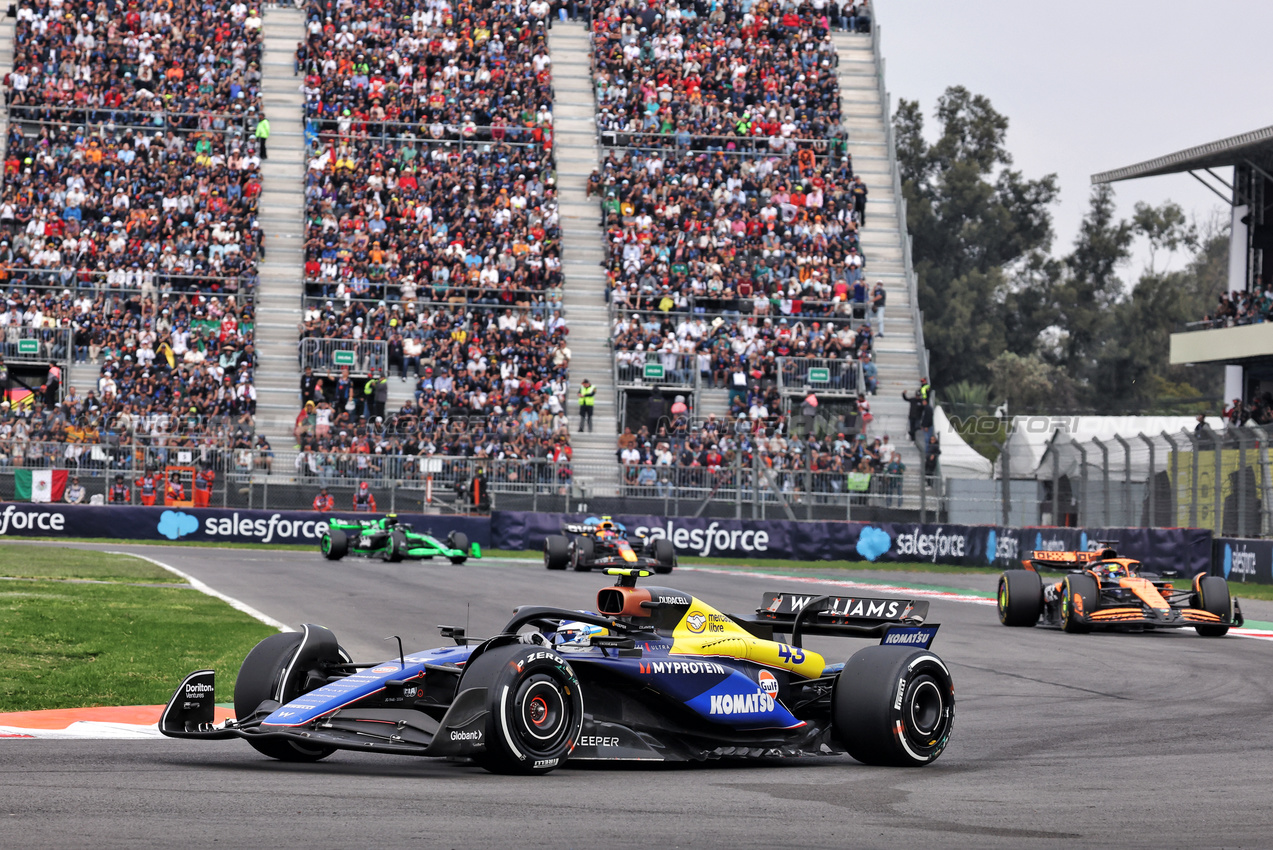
x=1154, y=740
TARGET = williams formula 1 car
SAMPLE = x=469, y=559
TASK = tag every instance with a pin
x=654, y=674
x=1105, y=591
x=391, y=540
x=602, y=542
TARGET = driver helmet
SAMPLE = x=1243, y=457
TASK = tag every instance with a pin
x=1112, y=571
x=574, y=633
x=363, y=486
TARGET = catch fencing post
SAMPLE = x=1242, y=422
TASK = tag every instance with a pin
x=1217, y=482
x=1078, y=503
x=1104, y=480
x=1127, y=480
x=1240, y=436
x=1193, y=483
x=1151, y=520
x=1005, y=466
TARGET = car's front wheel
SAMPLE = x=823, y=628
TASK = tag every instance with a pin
x=334, y=544
x=894, y=706
x=458, y=540
x=268, y=674
x=397, y=544
x=584, y=551
x=665, y=553
x=556, y=552
x=1213, y=597
x=534, y=708
x=1080, y=594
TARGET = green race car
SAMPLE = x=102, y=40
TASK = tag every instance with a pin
x=391, y=540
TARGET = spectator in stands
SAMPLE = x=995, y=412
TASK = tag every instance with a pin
x=324, y=502
x=74, y=493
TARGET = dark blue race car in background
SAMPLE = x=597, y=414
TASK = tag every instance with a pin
x=654, y=674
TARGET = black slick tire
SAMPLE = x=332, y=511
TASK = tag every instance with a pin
x=397, y=547
x=334, y=545
x=261, y=678
x=458, y=540
x=1020, y=597
x=534, y=708
x=1213, y=597
x=1080, y=595
x=893, y=706
x=556, y=552
x=665, y=553
x=581, y=557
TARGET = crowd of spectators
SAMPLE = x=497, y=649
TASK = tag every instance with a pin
x=717, y=233
x=190, y=64
x=443, y=222
x=741, y=69
x=128, y=237
x=471, y=70
x=1240, y=308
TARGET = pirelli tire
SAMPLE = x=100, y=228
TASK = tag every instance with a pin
x=334, y=544
x=458, y=540
x=397, y=546
x=582, y=553
x=665, y=553
x=266, y=674
x=556, y=552
x=1213, y=597
x=1020, y=597
x=1080, y=594
x=534, y=708
x=893, y=706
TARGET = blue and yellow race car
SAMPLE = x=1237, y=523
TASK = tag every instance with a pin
x=654, y=674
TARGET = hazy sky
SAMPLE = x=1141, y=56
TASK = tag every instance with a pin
x=1091, y=88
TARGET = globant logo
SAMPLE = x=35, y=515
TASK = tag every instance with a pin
x=1005, y=548
x=1239, y=563
x=175, y=524
x=873, y=542
x=704, y=541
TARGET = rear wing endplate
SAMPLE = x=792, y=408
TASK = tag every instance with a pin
x=797, y=614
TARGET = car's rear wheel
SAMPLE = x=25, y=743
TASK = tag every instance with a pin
x=665, y=553
x=534, y=708
x=556, y=552
x=1080, y=594
x=265, y=675
x=397, y=547
x=585, y=549
x=1020, y=597
x=893, y=705
x=458, y=540
x=1213, y=597
x=334, y=544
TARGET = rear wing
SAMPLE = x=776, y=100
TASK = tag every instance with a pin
x=1059, y=560
x=846, y=616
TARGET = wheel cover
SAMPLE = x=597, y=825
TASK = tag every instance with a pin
x=541, y=715
x=1003, y=600
x=326, y=544
x=926, y=715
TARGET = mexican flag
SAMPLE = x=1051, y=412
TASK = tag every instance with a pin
x=39, y=485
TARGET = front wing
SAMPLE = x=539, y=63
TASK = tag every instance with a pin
x=1138, y=617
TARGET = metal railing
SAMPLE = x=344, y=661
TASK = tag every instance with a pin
x=683, y=143
x=361, y=356
x=35, y=345
x=107, y=119
x=99, y=282
x=427, y=132
x=912, y=280
x=822, y=375
x=655, y=368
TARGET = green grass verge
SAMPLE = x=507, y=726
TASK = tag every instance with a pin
x=71, y=645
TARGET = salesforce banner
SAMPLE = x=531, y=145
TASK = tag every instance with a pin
x=1185, y=550
x=127, y=522
x=1241, y=560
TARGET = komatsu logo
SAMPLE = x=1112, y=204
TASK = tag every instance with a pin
x=757, y=703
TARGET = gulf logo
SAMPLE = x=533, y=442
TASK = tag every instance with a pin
x=768, y=683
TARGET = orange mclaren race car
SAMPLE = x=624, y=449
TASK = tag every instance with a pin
x=1105, y=591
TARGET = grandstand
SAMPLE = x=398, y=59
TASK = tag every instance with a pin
x=1238, y=334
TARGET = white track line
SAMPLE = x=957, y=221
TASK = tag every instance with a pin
x=203, y=588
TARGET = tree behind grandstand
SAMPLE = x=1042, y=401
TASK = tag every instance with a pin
x=997, y=304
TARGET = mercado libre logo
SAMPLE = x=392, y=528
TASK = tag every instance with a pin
x=174, y=524
x=873, y=542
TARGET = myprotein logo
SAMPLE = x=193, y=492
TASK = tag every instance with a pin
x=705, y=541
x=15, y=519
x=930, y=547
x=264, y=530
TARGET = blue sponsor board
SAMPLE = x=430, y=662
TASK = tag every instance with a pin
x=1241, y=561
x=1187, y=551
x=128, y=522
